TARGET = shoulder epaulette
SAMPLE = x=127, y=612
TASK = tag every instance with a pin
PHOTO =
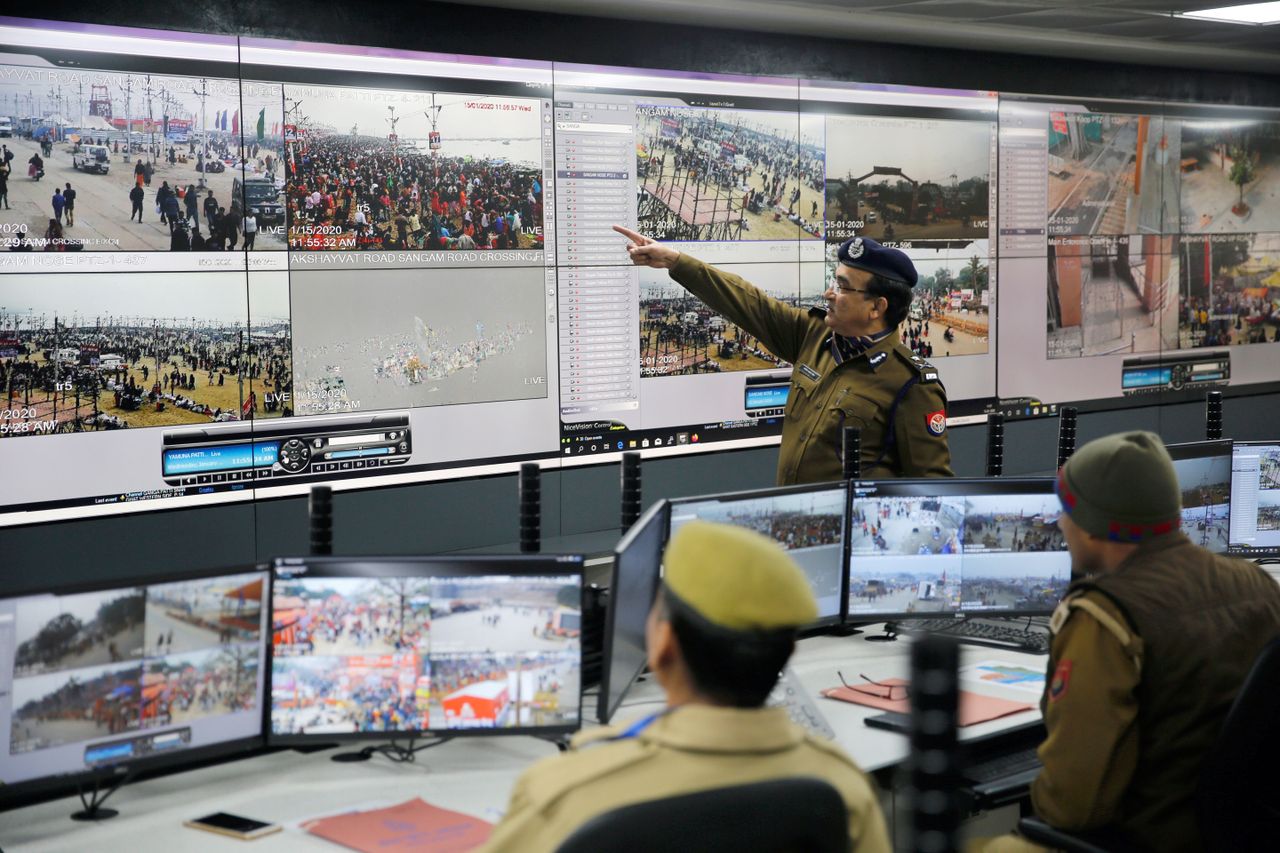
x=924, y=370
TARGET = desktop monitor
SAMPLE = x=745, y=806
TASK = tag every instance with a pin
x=130, y=675
x=1255, y=499
x=637, y=562
x=365, y=648
x=808, y=521
x=1204, y=480
x=940, y=547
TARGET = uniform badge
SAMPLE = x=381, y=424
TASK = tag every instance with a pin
x=936, y=422
x=856, y=249
x=809, y=372
x=1061, y=679
x=875, y=360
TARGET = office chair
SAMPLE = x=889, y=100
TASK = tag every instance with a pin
x=1238, y=795
x=776, y=816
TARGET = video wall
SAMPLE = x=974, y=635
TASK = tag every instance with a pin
x=235, y=268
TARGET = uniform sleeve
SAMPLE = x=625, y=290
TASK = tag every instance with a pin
x=779, y=327
x=1091, y=713
x=920, y=432
x=512, y=831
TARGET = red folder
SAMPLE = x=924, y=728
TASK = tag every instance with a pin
x=974, y=708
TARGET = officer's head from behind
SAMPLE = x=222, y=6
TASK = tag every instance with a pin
x=724, y=621
x=1117, y=492
x=872, y=288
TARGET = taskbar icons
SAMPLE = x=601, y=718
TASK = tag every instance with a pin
x=584, y=445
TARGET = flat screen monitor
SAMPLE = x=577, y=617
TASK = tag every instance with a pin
x=808, y=521
x=637, y=569
x=1204, y=479
x=411, y=646
x=131, y=674
x=1255, y=499
x=937, y=547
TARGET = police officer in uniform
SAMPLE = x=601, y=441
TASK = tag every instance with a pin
x=850, y=366
x=1150, y=645
x=717, y=657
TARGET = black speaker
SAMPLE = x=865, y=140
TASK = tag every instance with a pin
x=530, y=486
x=1066, y=433
x=851, y=452
x=934, y=790
x=630, y=489
x=320, y=512
x=995, y=445
x=1213, y=416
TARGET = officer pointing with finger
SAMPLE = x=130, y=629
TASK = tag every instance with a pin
x=850, y=366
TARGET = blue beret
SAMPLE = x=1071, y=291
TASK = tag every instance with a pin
x=866, y=254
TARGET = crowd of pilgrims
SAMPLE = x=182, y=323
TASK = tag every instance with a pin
x=782, y=168
x=793, y=530
x=185, y=357
x=407, y=199
x=1211, y=322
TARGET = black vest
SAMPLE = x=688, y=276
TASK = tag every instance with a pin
x=1203, y=619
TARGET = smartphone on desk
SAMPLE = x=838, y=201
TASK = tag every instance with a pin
x=244, y=828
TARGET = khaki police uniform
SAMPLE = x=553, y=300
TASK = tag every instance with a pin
x=1129, y=715
x=690, y=748
x=887, y=391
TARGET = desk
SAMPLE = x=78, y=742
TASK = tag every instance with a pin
x=818, y=658
x=471, y=775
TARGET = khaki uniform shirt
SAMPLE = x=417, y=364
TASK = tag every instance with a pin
x=692, y=748
x=1091, y=715
x=903, y=440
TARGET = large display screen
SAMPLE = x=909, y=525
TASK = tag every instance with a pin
x=117, y=676
x=1144, y=237
x=1255, y=499
x=234, y=268
x=929, y=547
x=405, y=646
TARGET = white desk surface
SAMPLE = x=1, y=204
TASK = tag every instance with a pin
x=471, y=775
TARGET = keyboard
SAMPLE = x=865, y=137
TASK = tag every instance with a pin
x=788, y=693
x=1001, y=766
x=1001, y=779
x=1017, y=635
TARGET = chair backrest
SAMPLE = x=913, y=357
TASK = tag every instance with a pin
x=777, y=816
x=1238, y=798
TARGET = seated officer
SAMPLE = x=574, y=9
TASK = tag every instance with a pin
x=721, y=629
x=1150, y=646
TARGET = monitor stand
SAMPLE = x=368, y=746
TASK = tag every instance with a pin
x=890, y=634
x=93, y=809
x=392, y=750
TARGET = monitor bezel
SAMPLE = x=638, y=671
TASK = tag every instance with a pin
x=1233, y=549
x=822, y=623
x=659, y=514
x=394, y=566
x=58, y=784
x=958, y=484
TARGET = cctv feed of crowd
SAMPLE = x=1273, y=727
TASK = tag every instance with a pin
x=135, y=672
x=809, y=525
x=413, y=654
x=289, y=186
x=956, y=552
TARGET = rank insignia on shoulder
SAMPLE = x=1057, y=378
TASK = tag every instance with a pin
x=936, y=422
x=875, y=360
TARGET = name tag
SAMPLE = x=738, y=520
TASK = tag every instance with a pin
x=875, y=360
x=810, y=373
